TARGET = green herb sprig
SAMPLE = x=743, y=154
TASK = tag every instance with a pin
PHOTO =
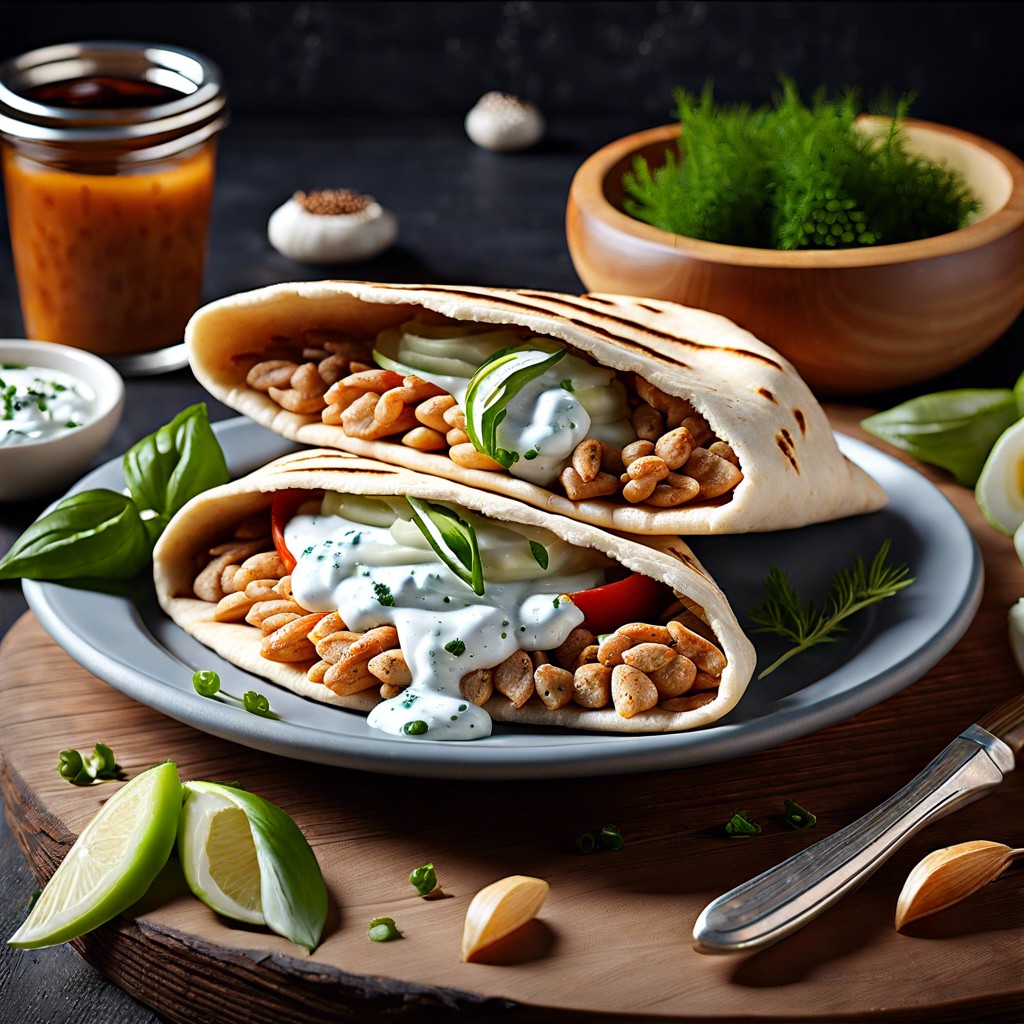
x=206, y=683
x=100, y=766
x=795, y=175
x=786, y=614
x=100, y=535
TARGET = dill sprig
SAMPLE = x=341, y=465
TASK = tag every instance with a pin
x=804, y=624
x=795, y=175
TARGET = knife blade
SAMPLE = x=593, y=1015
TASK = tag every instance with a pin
x=784, y=898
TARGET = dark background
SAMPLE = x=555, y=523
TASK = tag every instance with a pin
x=373, y=96
x=398, y=59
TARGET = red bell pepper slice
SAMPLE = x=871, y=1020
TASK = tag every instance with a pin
x=283, y=506
x=633, y=599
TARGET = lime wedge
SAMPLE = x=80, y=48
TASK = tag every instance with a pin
x=247, y=860
x=1000, y=487
x=111, y=864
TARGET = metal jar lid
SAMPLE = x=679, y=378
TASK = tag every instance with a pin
x=134, y=132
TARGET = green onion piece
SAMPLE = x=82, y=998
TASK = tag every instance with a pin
x=586, y=843
x=797, y=816
x=610, y=838
x=206, y=682
x=417, y=728
x=423, y=879
x=540, y=553
x=100, y=766
x=740, y=824
x=484, y=434
x=71, y=766
x=456, y=647
x=256, y=704
x=383, y=929
x=452, y=538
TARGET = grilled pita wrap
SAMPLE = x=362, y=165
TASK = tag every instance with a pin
x=696, y=427
x=219, y=575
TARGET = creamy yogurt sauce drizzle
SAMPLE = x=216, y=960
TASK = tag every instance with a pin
x=547, y=419
x=376, y=574
x=36, y=403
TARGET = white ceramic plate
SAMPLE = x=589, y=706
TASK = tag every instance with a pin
x=133, y=646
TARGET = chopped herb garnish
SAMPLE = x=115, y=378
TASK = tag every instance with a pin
x=206, y=683
x=417, y=728
x=452, y=538
x=383, y=594
x=424, y=880
x=608, y=838
x=740, y=824
x=100, y=766
x=797, y=816
x=456, y=647
x=566, y=384
x=805, y=625
x=540, y=553
x=383, y=929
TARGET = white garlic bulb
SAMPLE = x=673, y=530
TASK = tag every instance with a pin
x=336, y=225
x=504, y=122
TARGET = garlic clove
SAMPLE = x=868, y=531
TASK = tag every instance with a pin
x=337, y=225
x=500, y=121
x=949, y=875
x=499, y=909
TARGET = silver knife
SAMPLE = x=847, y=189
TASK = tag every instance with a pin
x=779, y=901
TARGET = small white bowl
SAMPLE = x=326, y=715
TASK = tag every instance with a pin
x=41, y=467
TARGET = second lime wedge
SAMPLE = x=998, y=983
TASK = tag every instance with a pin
x=245, y=858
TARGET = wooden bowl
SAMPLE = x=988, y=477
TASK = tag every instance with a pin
x=851, y=320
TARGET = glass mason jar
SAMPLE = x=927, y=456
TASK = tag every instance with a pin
x=108, y=153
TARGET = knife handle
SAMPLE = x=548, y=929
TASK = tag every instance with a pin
x=784, y=898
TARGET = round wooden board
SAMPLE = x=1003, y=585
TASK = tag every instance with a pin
x=613, y=938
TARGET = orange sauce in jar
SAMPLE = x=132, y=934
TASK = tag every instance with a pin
x=109, y=180
x=112, y=263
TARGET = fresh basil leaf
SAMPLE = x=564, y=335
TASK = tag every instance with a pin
x=95, y=533
x=175, y=463
x=452, y=538
x=954, y=430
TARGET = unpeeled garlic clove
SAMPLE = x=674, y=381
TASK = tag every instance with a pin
x=338, y=225
x=499, y=909
x=501, y=121
x=949, y=875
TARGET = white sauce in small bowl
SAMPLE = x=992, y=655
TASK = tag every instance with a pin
x=37, y=403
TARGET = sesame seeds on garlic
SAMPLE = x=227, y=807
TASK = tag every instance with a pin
x=334, y=225
x=501, y=121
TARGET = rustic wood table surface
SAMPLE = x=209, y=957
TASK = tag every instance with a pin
x=468, y=216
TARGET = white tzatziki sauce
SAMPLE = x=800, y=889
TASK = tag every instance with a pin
x=376, y=575
x=553, y=413
x=37, y=402
x=546, y=419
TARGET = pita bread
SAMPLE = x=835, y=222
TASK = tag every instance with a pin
x=793, y=471
x=210, y=518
